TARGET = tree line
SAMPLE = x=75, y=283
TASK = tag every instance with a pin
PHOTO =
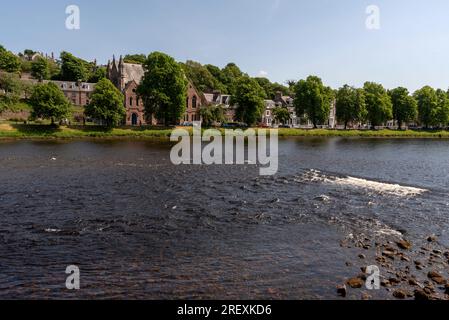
x=164, y=86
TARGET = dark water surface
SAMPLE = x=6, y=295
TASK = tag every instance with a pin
x=140, y=227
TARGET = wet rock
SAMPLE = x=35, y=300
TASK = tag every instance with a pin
x=432, y=238
x=404, y=244
x=342, y=291
x=421, y=295
x=437, y=252
x=366, y=296
x=322, y=198
x=429, y=290
x=413, y=282
x=400, y=294
x=394, y=281
x=362, y=256
x=436, y=277
x=355, y=283
x=405, y=258
x=385, y=283
x=389, y=254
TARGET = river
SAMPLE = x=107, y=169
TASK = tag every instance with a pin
x=139, y=227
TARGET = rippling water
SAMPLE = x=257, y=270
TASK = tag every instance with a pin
x=139, y=227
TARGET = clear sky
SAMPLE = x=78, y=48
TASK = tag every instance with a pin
x=283, y=39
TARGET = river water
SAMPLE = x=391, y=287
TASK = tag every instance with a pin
x=139, y=227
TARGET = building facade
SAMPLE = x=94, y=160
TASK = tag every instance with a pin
x=78, y=93
x=127, y=77
x=223, y=100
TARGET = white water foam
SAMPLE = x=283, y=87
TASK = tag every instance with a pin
x=381, y=187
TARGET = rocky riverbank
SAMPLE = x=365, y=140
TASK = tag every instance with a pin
x=407, y=270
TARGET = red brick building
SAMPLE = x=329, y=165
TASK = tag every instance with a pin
x=127, y=76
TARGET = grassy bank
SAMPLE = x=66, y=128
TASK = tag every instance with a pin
x=35, y=131
x=364, y=133
x=21, y=131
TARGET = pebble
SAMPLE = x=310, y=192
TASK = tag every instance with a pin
x=404, y=244
x=436, y=277
x=342, y=290
x=421, y=295
x=399, y=294
x=355, y=283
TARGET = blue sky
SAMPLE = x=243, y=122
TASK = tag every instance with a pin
x=285, y=39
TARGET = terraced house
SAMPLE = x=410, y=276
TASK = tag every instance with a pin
x=127, y=77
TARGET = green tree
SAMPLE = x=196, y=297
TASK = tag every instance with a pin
x=9, y=62
x=73, y=68
x=135, y=58
x=212, y=114
x=272, y=88
x=201, y=77
x=98, y=74
x=229, y=76
x=405, y=107
x=249, y=98
x=282, y=115
x=313, y=99
x=378, y=104
x=427, y=100
x=49, y=102
x=350, y=105
x=40, y=69
x=10, y=90
x=106, y=104
x=442, y=111
x=163, y=88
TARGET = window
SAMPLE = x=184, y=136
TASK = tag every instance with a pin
x=194, y=102
x=137, y=101
x=187, y=102
x=130, y=101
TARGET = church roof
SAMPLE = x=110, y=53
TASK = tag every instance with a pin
x=133, y=72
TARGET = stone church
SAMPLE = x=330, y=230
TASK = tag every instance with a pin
x=127, y=76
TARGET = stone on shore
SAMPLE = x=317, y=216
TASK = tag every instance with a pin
x=342, y=290
x=404, y=244
x=421, y=295
x=436, y=277
x=355, y=283
x=400, y=294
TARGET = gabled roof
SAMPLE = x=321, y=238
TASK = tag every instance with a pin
x=133, y=72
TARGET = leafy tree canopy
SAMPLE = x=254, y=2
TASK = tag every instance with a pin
x=106, y=104
x=282, y=115
x=49, y=102
x=405, y=107
x=249, y=98
x=163, y=88
x=350, y=105
x=378, y=104
x=9, y=62
x=135, y=58
x=427, y=100
x=313, y=99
